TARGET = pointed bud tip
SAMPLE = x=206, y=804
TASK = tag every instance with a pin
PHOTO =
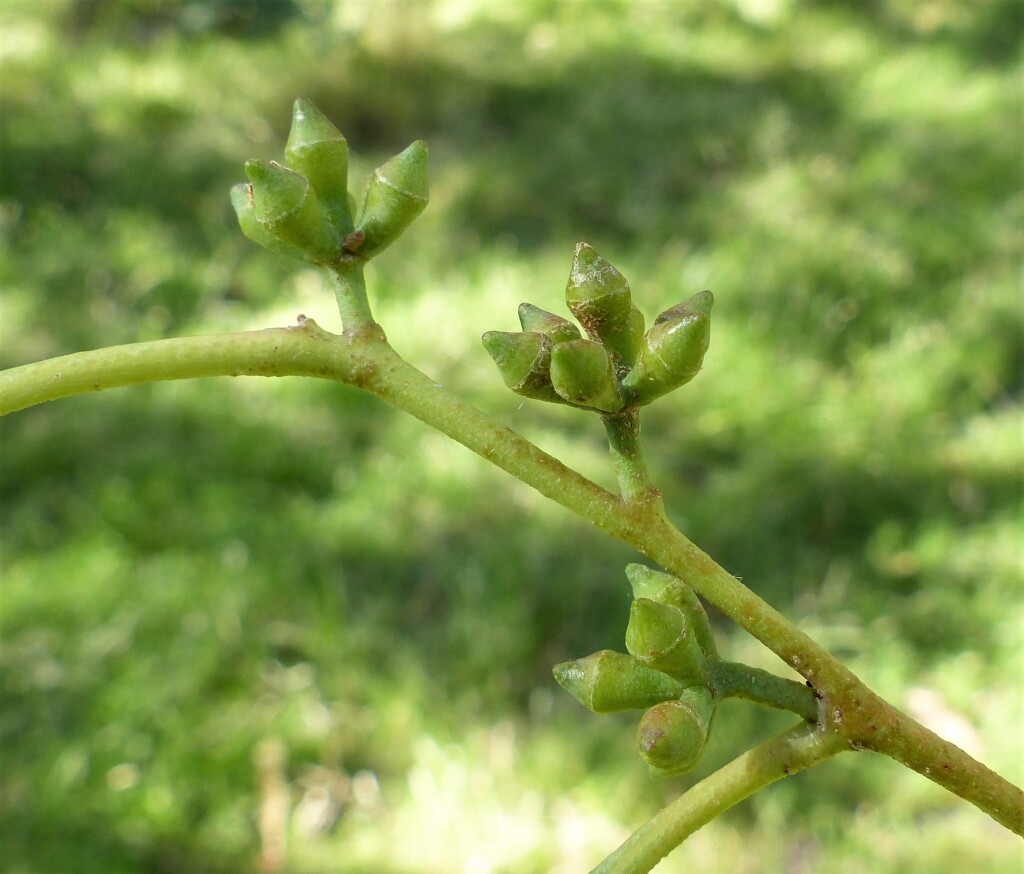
x=241, y=196
x=576, y=677
x=697, y=307
x=587, y=262
x=309, y=125
x=515, y=354
x=406, y=172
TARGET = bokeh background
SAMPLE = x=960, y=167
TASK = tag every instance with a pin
x=275, y=625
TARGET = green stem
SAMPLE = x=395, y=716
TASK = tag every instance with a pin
x=736, y=680
x=349, y=285
x=271, y=352
x=790, y=752
x=623, y=430
x=362, y=358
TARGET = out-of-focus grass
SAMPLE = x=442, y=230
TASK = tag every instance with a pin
x=192, y=571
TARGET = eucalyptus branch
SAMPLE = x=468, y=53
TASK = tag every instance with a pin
x=672, y=667
x=793, y=751
x=365, y=360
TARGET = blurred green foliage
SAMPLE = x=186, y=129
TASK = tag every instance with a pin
x=189, y=570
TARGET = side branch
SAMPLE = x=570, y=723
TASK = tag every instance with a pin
x=782, y=756
x=305, y=350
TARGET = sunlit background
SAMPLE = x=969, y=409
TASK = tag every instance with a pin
x=276, y=626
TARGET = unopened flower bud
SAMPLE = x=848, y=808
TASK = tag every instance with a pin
x=598, y=295
x=672, y=352
x=524, y=361
x=667, y=589
x=397, y=192
x=611, y=682
x=557, y=329
x=317, y=150
x=658, y=636
x=285, y=204
x=242, y=201
x=672, y=735
x=636, y=335
x=583, y=374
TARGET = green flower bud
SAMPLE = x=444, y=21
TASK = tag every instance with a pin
x=672, y=735
x=611, y=682
x=557, y=329
x=285, y=204
x=397, y=192
x=672, y=352
x=242, y=201
x=658, y=636
x=583, y=374
x=636, y=335
x=317, y=150
x=598, y=295
x=667, y=589
x=524, y=361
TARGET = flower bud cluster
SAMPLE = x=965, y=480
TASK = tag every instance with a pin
x=305, y=211
x=618, y=364
x=666, y=672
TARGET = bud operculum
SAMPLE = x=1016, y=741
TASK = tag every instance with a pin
x=667, y=589
x=583, y=374
x=284, y=203
x=317, y=150
x=672, y=735
x=557, y=329
x=672, y=351
x=598, y=295
x=611, y=682
x=524, y=361
x=243, y=202
x=658, y=636
x=397, y=192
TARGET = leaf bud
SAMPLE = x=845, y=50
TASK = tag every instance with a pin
x=524, y=361
x=672, y=351
x=667, y=589
x=317, y=150
x=242, y=201
x=557, y=329
x=612, y=682
x=397, y=192
x=598, y=295
x=285, y=204
x=658, y=636
x=583, y=374
x=672, y=735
